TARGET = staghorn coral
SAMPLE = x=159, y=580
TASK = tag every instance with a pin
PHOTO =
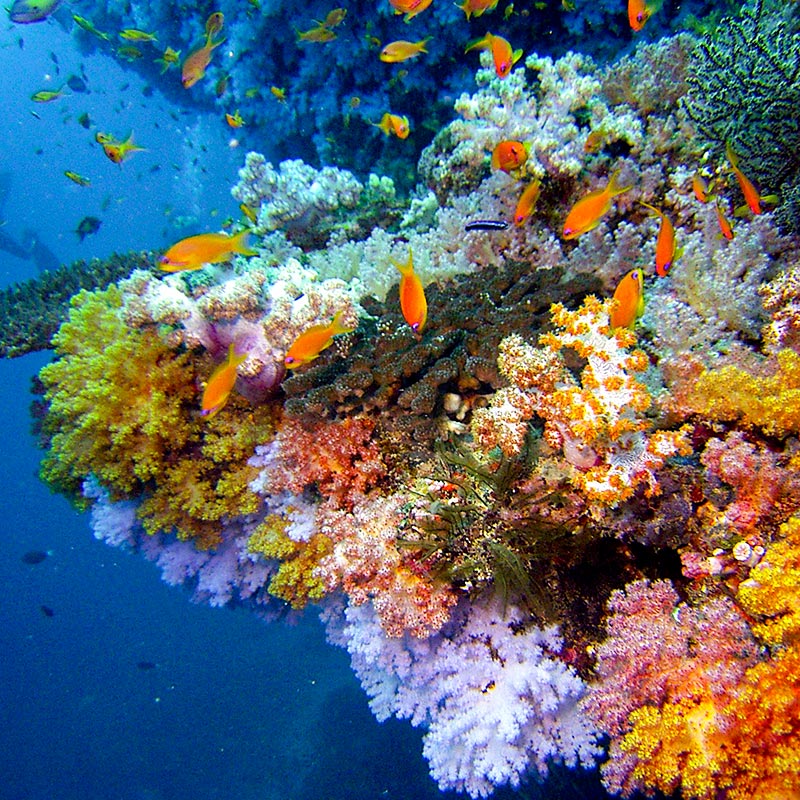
x=599, y=422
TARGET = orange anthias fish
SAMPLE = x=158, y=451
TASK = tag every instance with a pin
x=310, y=343
x=195, y=65
x=393, y=124
x=629, y=295
x=725, y=227
x=234, y=120
x=206, y=248
x=117, y=151
x=751, y=194
x=701, y=188
x=665, y=243
x=475, y=8
x=409, y=7
x=640, y=11
x=509, y=155
x=412, y=296
x=401, y=50
x=319, y=34
x=527, y=201
x=588, y=211
x=220, y=384
x=214, y=23
x=502, y=54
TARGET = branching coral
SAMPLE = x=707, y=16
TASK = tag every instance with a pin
x=599, y=422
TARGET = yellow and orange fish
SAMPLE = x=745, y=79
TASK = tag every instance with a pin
x=195, y=64
x=117, y=151
x=503, y=56
x=311, y=342
x=629, y=295
x=639, y=11
x=509, y=155
x=665, y=243
x=751, y=194
x=333, y=18
x=725, y=227
x=394, y=124
x=412, y=295
x=195, y=252
x=319, y=34
x=586, y=214
x=401, y=50
x=701, y=188
x=409, y=7
x=279, y=93
x=220, y=384
x=527, y=201
x=234, y=120
x=475, y=8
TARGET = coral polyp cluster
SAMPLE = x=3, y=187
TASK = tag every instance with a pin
x=540, y=537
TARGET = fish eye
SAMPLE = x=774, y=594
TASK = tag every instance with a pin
x=288, y=360
x=415, y=327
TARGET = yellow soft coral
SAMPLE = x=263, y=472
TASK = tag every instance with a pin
x=295, y=581
x=771, y=403
x=123, y=407
x=772, y=592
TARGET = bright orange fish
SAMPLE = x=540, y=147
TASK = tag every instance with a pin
x=502, y=54
x=629, y=295
x=639, y=12
x=726, y=229
x=509, y=155
x=409, y=7
x=206, y=248
x=220, y=384
x=195, y=65
x=751, y=195
x=588, y=211
x=117, y=151
x=401, y=50
x=665, y=243
x=527, y=201
x=311, y=342
x=412, y=296
x=234, y=120
x=393, y=124
x=475, y=8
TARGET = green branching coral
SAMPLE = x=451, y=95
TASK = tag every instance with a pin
x=122, y=406
x=745, y=89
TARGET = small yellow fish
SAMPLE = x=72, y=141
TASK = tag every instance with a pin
x=117, y=151
x=587, y=212
x=311, y=342
x=130, y=53
x=475, y=8
x=250, y=213
x=169, y=59
x=79, y=179
x=47, y=96
x=401, y=50
x=333, y=18
x=220, y=384
x=412, y=295
x=629, y=295
x=318, y=35
x=234, y=120
x=135, y=35
x=87, y=25
x=252, y=92
x=393, y=124
x=279, y=93
x=195, y=252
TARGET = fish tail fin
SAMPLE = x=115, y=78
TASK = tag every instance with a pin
x=652, y=208
x=337, y=326
x=465, y=8
x=479, y=44
x=613, y=185
x=424, y=42
x=240, y=244
x=516, y=56
x=235, y=358
x=407, y=268
x=731, y=156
